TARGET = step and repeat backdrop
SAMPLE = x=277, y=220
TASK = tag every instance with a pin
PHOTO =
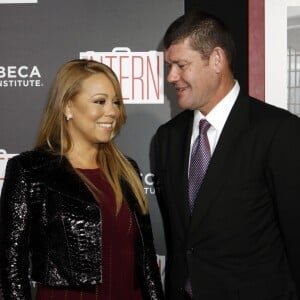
x=38, y=36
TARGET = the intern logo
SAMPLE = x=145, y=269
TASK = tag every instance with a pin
x=17, y=1
x=141, y=74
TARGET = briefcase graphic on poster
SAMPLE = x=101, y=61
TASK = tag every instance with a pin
x=4, y=157
x=141, y=74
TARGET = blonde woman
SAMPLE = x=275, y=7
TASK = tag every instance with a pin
x=74, y=207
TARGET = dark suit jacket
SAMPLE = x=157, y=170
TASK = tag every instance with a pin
x=242, y=240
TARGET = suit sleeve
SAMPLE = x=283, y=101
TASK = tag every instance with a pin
x=155, y=161
x=285, y=169
x=14, y=228
x=159, y=156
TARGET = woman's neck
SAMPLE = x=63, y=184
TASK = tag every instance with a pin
x=80, y=159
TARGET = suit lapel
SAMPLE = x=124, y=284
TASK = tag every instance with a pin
x=178, y=167
x=215, y=177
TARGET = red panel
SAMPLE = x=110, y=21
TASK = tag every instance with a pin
x=256, y=36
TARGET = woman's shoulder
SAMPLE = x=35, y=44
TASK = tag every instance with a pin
x=32, y=158
x=132, y=161
x=134, y=164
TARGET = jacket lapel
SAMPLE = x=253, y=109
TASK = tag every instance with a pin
x=216, y=177
x=177, y=178
x=58, y=175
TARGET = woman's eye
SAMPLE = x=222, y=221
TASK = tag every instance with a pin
x=117, y=102
x=100, y=101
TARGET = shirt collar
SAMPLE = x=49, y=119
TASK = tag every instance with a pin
x=219, y=114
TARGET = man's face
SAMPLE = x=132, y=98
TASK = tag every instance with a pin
x=193, y=77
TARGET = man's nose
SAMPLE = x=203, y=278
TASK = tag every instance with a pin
x=172, y=75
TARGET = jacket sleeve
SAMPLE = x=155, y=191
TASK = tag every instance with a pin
x=151, y=274
x=285, y=177
x=151, y=279
x=14, y=228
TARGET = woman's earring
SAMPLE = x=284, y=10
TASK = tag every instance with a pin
x=69, y=117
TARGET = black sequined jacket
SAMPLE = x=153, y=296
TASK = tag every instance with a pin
x=51, y=224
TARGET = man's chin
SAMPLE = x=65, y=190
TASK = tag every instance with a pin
x=184, y=104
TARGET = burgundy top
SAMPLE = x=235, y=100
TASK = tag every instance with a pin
x=119, y=234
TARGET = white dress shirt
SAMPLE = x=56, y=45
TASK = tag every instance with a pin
x=216, y=117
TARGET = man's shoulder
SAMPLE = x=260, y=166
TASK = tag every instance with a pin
x=261, y=109
x=179, y=120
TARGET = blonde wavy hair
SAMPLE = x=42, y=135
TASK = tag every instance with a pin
x=53, y=135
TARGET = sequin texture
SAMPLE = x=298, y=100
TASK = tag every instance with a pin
x=48, y=214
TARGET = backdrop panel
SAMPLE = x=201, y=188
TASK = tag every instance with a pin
x=37, y=37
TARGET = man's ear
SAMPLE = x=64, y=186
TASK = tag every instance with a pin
x=218, y=59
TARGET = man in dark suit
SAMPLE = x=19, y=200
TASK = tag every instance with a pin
x=240, y=239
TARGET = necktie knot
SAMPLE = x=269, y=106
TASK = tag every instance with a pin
x=203, y=126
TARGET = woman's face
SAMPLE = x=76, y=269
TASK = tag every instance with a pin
x=94, y=112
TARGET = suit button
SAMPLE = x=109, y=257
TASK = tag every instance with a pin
x=190, y=251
